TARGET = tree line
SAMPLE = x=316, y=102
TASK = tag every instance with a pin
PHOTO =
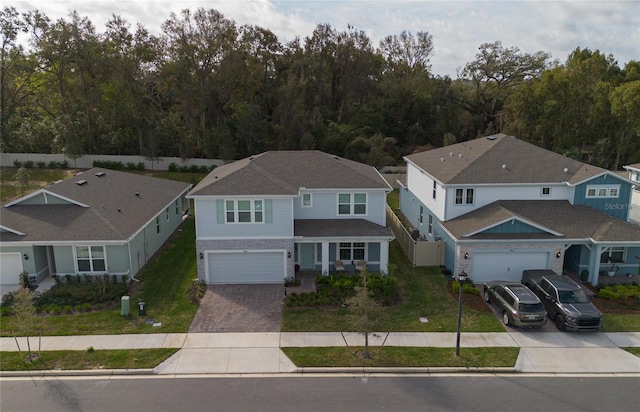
x=208, y=87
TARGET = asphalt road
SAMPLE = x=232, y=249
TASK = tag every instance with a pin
x=315, y=393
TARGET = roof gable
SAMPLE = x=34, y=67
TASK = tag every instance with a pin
x=500, y=159
x=285, y=172
x=108, y=205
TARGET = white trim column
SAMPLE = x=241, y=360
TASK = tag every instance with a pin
x=384, y=256
x=325, y=257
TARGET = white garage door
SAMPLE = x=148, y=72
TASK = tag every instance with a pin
x=505, y=265
x=246, y=267
x=10, y=268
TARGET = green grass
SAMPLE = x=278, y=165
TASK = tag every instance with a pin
x=635, y=351
x=424, y=294
x=79, y=360
x=393, y=199
x=617, y=322
x=38, y=178
x=393, y=356
x=163, y=285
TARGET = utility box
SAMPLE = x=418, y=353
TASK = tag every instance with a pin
x=142, y=308
x=124, y=306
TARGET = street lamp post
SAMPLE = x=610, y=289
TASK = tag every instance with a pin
x=462, y=276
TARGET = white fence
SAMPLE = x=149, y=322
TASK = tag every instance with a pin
x=86, y=161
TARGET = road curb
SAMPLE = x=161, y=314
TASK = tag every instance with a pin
x=406, y=370
x=87, y=372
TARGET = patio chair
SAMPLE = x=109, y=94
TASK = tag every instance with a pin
x=361, y=265
x=339, y=266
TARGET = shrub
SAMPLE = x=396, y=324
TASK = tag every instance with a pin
x=17, y=164
x=108, y=164
x=53, y=164
x=28, y=164
x=41, y=165
x=618, y=291
x=131, y=166
x=466, y=288
x=196, y=290
x=173, y=167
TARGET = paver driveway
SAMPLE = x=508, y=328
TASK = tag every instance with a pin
x=240, y=308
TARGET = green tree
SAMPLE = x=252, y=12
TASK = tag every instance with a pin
x=22, y=177
x=366, y=315
x=26, y=317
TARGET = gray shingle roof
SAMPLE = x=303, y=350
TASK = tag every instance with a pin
x=339, y=228
x=284, y=172
x=481, y=161
x=571, y=221
x=115, y=212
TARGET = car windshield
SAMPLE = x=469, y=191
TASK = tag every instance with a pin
x=573, y=296
x=531, y=307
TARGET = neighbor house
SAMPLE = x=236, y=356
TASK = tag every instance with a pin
x=502, y=205
x=99, y=221
x=634, y=175
x=260, y=218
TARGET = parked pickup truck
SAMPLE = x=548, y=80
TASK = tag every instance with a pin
x=565, y=301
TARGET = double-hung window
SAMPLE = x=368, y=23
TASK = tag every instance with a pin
x=306, y=200
x=351, y=251
x=464, y=196
x=90, y=258
x=244, y=211
x=352, y=203
x=613, y=254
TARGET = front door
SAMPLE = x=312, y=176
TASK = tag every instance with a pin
x=307, y=256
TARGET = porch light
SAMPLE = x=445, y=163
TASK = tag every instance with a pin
x=25, y=256
x=289, y=255
x=466, y=255
x=201, y=255
x=558, y=254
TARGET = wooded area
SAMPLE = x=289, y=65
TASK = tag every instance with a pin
x=206, y=87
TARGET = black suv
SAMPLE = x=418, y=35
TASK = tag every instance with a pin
x=565, y=301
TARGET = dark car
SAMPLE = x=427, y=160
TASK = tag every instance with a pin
x=518, y=305
x=565, y=301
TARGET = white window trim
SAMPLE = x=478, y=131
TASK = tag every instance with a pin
x=597, y=190
x=542, y=191
x=351, y=248
x=464, y=196
x=104, y=254
x=310, y=200
x=177, y=207
x=352, y=204
x=252, y=211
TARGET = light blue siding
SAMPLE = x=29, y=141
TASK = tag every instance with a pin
x=280, y=223
x=324, y=205
x=616, y=207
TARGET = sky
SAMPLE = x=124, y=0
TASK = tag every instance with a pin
x=458, y=27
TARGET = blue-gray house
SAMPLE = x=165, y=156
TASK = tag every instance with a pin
x=99, y=221
x=503, y=205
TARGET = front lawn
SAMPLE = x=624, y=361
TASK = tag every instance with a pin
x=424, y=294
x=163, y=286
x=89, y=359
x=394, y=356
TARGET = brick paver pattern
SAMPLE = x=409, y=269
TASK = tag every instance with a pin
x=239, y=308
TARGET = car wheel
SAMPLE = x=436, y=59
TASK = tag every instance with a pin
x=505, y=318
x=486, y=296
x=560, y=323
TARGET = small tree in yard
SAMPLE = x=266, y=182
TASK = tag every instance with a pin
x=366, y=315
x=22, y=177
x=25, y=313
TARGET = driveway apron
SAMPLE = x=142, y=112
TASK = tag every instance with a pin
x=239, y=308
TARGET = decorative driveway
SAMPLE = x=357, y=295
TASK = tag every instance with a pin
x=239, y=308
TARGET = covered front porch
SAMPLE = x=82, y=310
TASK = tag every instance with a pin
x=613, y=262
x=320, y=243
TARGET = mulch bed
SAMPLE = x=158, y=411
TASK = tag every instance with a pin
x=469, y=300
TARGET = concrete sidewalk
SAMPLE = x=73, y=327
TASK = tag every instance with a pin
x=541, y=352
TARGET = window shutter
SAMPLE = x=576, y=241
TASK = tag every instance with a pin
x=268, y=218
x=220, y=210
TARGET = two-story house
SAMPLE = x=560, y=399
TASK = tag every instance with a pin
x=634, y=207
x=503, y=205
x=96, y=222
x=260, y=218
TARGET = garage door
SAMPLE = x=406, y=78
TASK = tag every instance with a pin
x=505, y=265
x=246, y=267
x=10, y=268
